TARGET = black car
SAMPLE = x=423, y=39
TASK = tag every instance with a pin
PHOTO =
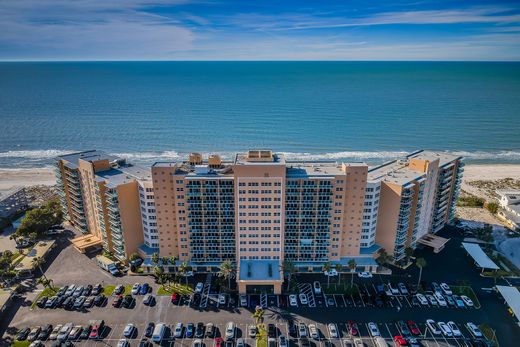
x=145, y=343
x=45, y=332
x=292, y=329
x=67, y=304
x=87, y=291
x=127, y=301
x=305, y=342
x=379, y=301
x=86, y=332
x=41, y=302
x=62, y=290
x=60, y=300
x=271, y=330
x=22, y=334
x=149, y=329
x=99, y=300
x=196, y=299
x=199, y=330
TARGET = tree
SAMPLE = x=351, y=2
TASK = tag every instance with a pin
x=184, y=268
x=159, y=274
x=383, y=257
x=173, y=260
x=496, y=275
x=164, y=261
x=39, y=220
x=408, y=251
x=226, y=271
x=47, y=283
x=339, y=268
x=38, y=262
x=155, y=258
x=352, y=266
x=492, y=207
x=258, y=315
x=134, y=256
x=289, y=269
x=420, y=263
x=326, y=268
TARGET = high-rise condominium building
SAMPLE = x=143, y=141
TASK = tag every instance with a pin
x=261, y=211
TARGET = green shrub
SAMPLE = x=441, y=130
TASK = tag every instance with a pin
x=471, y=201
x=492, y=207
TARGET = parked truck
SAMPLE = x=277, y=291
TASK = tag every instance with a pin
x=107, y=264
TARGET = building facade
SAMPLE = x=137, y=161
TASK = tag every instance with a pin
x=261, y=211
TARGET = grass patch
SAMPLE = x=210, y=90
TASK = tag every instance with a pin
x=335, y=288
x=470, y=201
x=489, y=334
x=48, y=292
x=169, y=289
x=468, y=291
x=17, y=343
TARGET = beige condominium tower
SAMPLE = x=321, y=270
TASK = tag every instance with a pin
x=261, y=211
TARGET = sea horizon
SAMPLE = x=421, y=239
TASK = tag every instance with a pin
x=148, y=111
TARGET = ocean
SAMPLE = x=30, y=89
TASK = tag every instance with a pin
x=362, y=111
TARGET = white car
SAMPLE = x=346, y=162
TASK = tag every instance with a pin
x=317, y=287
x=129, y=330
x=303, y=299
x=474, y=330
x=55, y=332
x=358, y=342
x=454, y=328
x=135, y=288
x=313, y=331
x=431, y=299
x=302, y=330
x=446, y=289
x=252, y=331
x=440, y=299
x=347, y=343
x=332, y=272
x=364, y=274
x=433, y=327
x=374, y=331
x=70, y=290
x=199, y=287
x=222, y=299
x=64, y=332
x=467, y=300
x=230, y=330
x=446, y=331
x=402, y=288
x=178, y=330
x=243, y=300
x=293, y=300
x=422, y=299
x=333, y=331
x=123, y=343
x=394, y=291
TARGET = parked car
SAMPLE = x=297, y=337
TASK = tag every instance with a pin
x=293, y=301
x=145, y=288
x=148, y=299
x=373, y=329
x=117, y=301
x=127, y=301
x=41, y=302
x=450, y=301
x=243, y=300
x=86, y=332
x=331, y=273
x=67, y=304
x=422, y=299
x=433, y=327
x=218, y=342
x=252, y=331
x=198, y=343
x=199, y=330
x=119, y=289
x=458, y=301
x=364, y=274
x=222, y=299
x=302, y=330
x=333, y=330
x=97, y=289
x=291, y=328
x=148, y=332
x=64, y=332
x=414, y=329
x=352, y=328
x=51, y=302
x=303, y=299
x=123, y=343
x=445, y=329
x=177, y=332
x=436, y=288
x=454, y=328
x=330, y=301
x=135, y=289
x=446, y=289
x=431, y=299
x=99, y=300
x=271, y=330
x=175, y=298
x=405, y=331
x=467, y=301
x=199, y=287
x=78, y=304
x=282, y=341
x=89, y=302
x=190, y=330
x=70, y=290
x=129, y=330
x=313, y=331
x=402, y=288
x=33, y=334
x=393, y=289
x=230, y=330
x=45, y=332
x=75, y=332
x=87, y=290
x=474, y=330
x=210, y=330
x=78, y=292
x=440, y=300
x=55, y=332
x=317, y=287
x=400, y=341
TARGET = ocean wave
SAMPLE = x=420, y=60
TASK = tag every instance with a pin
x=47, y=156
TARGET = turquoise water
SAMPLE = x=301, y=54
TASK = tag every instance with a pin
x=312, y=110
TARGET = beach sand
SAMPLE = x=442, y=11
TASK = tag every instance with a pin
x=11, y=179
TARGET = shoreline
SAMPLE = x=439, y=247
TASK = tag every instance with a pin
x=11, y=178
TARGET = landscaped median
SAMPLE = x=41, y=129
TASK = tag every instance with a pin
x=169, y=289
x=335, y=288
x=468, y=291
x=20, y=343
x=489, y=334
x=109, y=290
x=48, y=292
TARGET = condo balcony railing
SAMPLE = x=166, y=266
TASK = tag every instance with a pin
x=114, y=222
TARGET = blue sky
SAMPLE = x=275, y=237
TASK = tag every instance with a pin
x=259, y=30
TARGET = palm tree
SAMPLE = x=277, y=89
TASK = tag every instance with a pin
x=258, y=315
x=408, y=251
x=184, y=268
x=326, y=268
x=420, y=263
x=227, y=271
x=173, y=260
x=339, y=268
x=155, y=258
x=383, y=257
x=352, y=267
x=38, y=262
x=47, y=283
x=289, y=269
x=159, y=274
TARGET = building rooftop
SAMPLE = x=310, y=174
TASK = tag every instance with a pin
x=259, y=157
x=316, y=169
x=93, y=155
x=396, y=172
x=444, y=157
x=124, y=174
x=259, y=270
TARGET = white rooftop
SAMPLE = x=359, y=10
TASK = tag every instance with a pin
x=481, y=258
x=512, y=297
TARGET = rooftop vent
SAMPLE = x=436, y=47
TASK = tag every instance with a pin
x=214, y=161
x=195, y=159
x=260, y=155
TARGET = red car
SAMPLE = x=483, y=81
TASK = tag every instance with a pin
x=94, y=333
x=414, y=329
x=352, y=328
x=400, y=341
x=218, y=342
x=117, y=301
x=175, y=298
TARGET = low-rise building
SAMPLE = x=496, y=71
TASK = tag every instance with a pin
x=509, y=212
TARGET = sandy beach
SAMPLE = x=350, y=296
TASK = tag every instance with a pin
x=11, y=179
